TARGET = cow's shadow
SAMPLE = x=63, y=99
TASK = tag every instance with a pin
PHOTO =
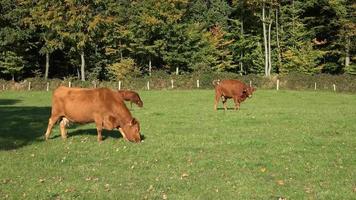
x=228, y=108
x=92, y=132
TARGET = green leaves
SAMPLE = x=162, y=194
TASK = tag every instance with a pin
x=11, y=63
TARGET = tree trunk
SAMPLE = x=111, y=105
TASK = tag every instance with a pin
x=82, y=67
x=242, y=36
x=78, y=73
x=269, y=48
x=13, y=77
x=149, y=66
x=278, y=44
x=293, y=21
x=47, y=66
x=120, y=50
x=347, y=52
x=265, y=38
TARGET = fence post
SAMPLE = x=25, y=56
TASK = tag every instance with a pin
x=148, y=85
x=177, y=70
x=172, y=83
x=119, y=85
x=250, y=83
x=94, y=84
x=277, y=84
x=29, y=85
x=3, y=86
x=334, y=87
x=69, y=84
x=198, y=85
x=47, y=89
x=315, y=86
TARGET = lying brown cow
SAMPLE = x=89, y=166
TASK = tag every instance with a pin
x=103, y=106
x=131, y=96
x=234, y=89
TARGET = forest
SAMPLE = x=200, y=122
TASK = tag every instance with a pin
x=111, y=39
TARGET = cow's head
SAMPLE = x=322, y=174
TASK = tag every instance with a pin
x=139, y=102
x=248, y=90
x=131, y=131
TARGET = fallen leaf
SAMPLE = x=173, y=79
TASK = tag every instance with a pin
x=184, y=175
x=263, y=169
x=164, y=196
x=280, y=182
x=69, y=190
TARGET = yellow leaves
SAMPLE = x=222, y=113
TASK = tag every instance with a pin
x=94, y=22
x=122, y=68
x=151, y=20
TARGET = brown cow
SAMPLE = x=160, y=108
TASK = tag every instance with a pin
x=234, y=89
x=103, y=106
x=131, y=96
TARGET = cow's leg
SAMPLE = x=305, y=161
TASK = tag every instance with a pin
x=237, y=103
x=224, y=102
x=62, y=126
x=99, y=127
x=51, y=121
x=123, y=134
x=217, y=98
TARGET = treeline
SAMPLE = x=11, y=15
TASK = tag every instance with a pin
x=110, y=39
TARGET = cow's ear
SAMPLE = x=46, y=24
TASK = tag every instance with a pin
x=133, y=122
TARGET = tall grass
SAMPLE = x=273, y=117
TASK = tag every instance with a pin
x=291, y=144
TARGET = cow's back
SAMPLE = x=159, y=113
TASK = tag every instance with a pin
x=82, y=105
x=230, y=88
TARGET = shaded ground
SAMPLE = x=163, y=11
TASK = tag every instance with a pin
x=20, y=126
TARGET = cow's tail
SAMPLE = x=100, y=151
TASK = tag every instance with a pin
x=216, y=82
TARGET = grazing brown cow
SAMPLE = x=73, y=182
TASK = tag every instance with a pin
x=103, y=106
x=234, y=89
x=131, y=96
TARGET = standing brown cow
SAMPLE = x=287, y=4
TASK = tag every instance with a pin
x=103, y=106
x=234, y=89
x=133, y=97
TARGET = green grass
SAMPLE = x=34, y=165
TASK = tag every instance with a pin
x=292, y=144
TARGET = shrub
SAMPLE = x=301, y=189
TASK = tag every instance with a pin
x=161, y=80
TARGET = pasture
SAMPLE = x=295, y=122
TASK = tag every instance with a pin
x=290, y=144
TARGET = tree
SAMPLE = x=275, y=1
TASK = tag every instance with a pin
x=47, y=17
x=83, y=19
x=299, y=53
x=11, y=63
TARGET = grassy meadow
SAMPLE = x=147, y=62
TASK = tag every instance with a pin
x=290, y=144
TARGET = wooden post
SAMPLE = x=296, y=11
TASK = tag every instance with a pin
x=334, y=87
x=119, y=85
x=94, y=84
x=315, y=86
x=47, y=89
x=277, y=84
x=148, y=85
x=177, y=70
x=3, y=86
x=250, y=83
x=198, y=84
x=172, y=83
x=29, y=85
x=69, y=84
